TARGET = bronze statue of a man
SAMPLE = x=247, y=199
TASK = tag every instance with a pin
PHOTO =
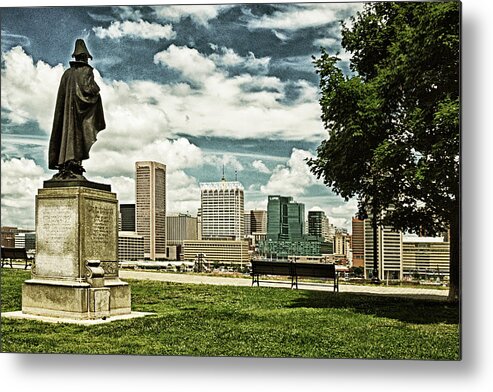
x=78, y=117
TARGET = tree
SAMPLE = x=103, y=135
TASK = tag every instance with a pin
x=394, y=132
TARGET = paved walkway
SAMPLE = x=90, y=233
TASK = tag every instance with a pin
x=344, y=288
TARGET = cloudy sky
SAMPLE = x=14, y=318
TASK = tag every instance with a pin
x=195, y=87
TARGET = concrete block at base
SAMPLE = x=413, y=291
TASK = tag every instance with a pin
x=99, y=303
x=77, y=300
x=56, y=299
x=120, y=297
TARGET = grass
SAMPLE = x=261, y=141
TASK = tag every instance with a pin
x=206, y=320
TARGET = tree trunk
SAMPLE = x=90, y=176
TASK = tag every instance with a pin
x=455, y=257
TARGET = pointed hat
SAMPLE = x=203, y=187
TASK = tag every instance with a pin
x=80, y=48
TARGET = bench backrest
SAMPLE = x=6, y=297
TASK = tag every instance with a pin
x=14, y=253
x=316, y=270
x=272, y=268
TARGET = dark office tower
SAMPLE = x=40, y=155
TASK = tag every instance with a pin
x=150, y=209
x=318, y=224
x=127, y=217
x=285, y=219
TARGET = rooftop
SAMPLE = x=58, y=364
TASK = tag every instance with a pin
x=221, y=185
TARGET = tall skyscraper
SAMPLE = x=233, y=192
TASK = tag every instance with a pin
x=222, y=210
x=285, y=219
x=127, y=217
x=318, y=225
x=358, y=242
x=150, y=209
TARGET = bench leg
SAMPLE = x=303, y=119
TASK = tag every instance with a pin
x=294, y=281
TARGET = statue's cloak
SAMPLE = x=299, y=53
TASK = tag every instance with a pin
x=78, y=116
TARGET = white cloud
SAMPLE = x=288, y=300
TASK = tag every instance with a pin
x=183, y=192
x=21, y=178
x=28, y=90
x=344, y=56
x=281, y=36
x=341, y=222
x=200, y=14
x=326, y=42
x=119, y=160
x=349, y=208
x=196, y=67
x=239, y=106
x=125, y=12
x=227, y=160
x=139, y=112
x=260, y=166
x=192, y=64
x=293, y=178
x=123, y=186
x=342, y=214
x=227, y=57
x=298, y=16
x=138, y=29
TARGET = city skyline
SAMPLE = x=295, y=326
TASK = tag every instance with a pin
x=193, y=87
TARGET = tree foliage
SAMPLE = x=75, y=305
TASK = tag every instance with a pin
x=393, y=123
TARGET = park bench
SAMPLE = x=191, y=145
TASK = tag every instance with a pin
x=278, y=268
x=10, y=254
x=320, y=271
x=294, y=271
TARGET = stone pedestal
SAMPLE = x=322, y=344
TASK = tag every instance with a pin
x=75, y=274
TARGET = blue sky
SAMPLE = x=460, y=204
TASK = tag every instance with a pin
x=194, y=87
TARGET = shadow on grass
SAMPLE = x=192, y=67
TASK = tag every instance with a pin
x=409, y=310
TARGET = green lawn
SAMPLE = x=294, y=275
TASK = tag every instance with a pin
x=203, y=320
